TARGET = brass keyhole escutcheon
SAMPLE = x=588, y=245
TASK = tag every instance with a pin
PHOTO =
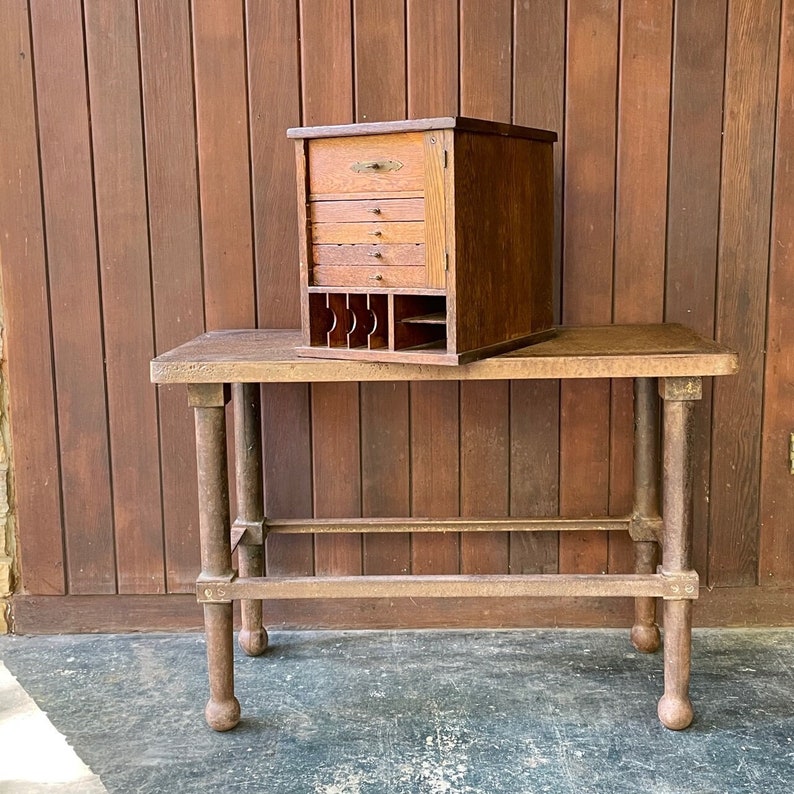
x=376, y=166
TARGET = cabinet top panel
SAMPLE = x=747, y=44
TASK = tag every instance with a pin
x=420, y=125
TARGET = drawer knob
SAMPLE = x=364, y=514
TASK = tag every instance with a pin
x=368, y=166
x=376, y=254
x=376, y=233
x=374, y=210
x=376, y=277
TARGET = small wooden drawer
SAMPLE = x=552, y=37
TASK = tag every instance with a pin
x=369, y=255
x=372, y=233
x=363, y=211
x=371, y=277
x=375, y=164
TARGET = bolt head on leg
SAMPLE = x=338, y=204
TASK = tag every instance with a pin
x=222, y=715
x=646, y=639
x=253, y=643
x=675, y=713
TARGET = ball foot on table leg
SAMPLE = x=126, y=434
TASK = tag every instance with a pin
x=253, y=643
x=222, y=715
x=646, y=639
x=675, y=713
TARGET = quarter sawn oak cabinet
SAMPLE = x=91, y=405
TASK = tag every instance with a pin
x=424, y=241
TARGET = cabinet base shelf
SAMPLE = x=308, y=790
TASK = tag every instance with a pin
x=408, y=355
x=424, y=355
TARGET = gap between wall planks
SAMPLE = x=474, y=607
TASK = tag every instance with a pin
x=218, y=232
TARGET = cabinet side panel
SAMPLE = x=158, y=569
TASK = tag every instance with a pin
x=503, y=238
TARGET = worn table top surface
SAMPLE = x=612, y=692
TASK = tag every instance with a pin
x=613, y=351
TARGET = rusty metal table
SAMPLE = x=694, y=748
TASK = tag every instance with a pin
x=667, y=361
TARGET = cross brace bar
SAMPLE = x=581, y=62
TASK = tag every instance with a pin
x=511, y=524
x=659, y=585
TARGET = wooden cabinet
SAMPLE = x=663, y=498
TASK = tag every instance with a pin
x=426, y=240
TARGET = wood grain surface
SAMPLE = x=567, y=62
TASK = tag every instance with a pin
x=223, y=164
x=27, y=335
x=327, y=98
x=693, y=208
x=432, y=82
x=640, y=220
x=609, y=351
x=485, y=92
x=746, y=195
x=274, y=104
x=127, y=316
x=777, y=494
x=538, y=98
x=75, y=299
x=175, y=251
x=588, y=223
x=380, y=93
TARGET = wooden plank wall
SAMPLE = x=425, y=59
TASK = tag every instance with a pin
x=148, y=194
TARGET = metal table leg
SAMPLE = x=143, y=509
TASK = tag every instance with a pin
x=250, y=508
x=675, y=707
x=208, y=401
x=645, y=632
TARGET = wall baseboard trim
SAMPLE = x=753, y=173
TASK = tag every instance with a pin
x=720, y=607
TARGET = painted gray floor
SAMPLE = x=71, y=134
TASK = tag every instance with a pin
x=420, y=712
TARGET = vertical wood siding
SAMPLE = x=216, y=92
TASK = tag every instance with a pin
x=148, y=194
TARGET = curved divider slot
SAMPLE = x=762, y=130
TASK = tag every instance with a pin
x=379, y=311
x=321, y=320
x=362, y=320
x=337, y=336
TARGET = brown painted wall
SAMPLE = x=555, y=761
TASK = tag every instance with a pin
x=148, y=193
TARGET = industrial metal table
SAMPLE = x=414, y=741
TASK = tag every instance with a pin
x=666, y=360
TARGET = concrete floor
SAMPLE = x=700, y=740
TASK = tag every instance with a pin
x=420, y=713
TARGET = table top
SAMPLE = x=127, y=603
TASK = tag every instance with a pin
x=611, y=351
